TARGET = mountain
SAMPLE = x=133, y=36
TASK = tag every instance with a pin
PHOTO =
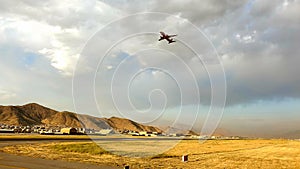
x=172, y=130
x=25, y=115
x=35, y=114
x=126, y=124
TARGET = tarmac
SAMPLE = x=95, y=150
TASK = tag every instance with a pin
x=10, y=161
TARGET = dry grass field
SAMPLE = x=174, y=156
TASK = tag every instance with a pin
x=210, y=154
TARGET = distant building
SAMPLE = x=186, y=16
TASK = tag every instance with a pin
x=215, y=137
x=69, y=130
x=7, y=131
x=90, y=131
x=172, y=135
x=133, y=133
x=146, y=133
x=105, y=132
x=81, y=130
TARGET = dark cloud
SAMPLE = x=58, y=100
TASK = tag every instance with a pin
x=257, y=40
x=198, y=11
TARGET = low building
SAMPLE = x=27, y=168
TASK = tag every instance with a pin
x=105, y=132
x=145, y=133
x=81, y=130
x=7, y=131
x=133, y=133
x=69, y=130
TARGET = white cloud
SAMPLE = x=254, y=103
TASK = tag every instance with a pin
x=245, y=38
x=257, y=41
x=58, y=30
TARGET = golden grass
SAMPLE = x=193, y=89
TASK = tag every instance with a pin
x=91, y=148
x=210, y=154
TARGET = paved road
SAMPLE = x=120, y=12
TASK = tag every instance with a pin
x=9, y=161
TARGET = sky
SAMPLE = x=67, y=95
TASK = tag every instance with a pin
x=234, y=63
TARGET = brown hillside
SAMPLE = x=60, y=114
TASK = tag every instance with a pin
x=8, y=115
x=29, y=114
x=125, y=124
x=191, y=132
x=94, y=122
x=35, y=114
x=66, y=118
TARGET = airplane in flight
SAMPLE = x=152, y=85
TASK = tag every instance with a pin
x=166, y=37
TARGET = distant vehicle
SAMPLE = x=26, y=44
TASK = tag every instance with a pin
x=166, y=37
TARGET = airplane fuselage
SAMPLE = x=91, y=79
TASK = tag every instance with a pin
x=166, y=37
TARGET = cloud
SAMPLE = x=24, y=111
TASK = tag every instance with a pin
x=58, y=30
x=253, y=49
x=41, y=42
x=198, y=11
x=260, y=55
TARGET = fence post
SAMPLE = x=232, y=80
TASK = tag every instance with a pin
x=185, y=158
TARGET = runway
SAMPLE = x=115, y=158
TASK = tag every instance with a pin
x=10, y=161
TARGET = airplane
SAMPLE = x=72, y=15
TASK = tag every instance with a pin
x=166, y=37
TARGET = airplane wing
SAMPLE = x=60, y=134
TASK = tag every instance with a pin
x=170, y=40
x=172, y=35
x=162, y=33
